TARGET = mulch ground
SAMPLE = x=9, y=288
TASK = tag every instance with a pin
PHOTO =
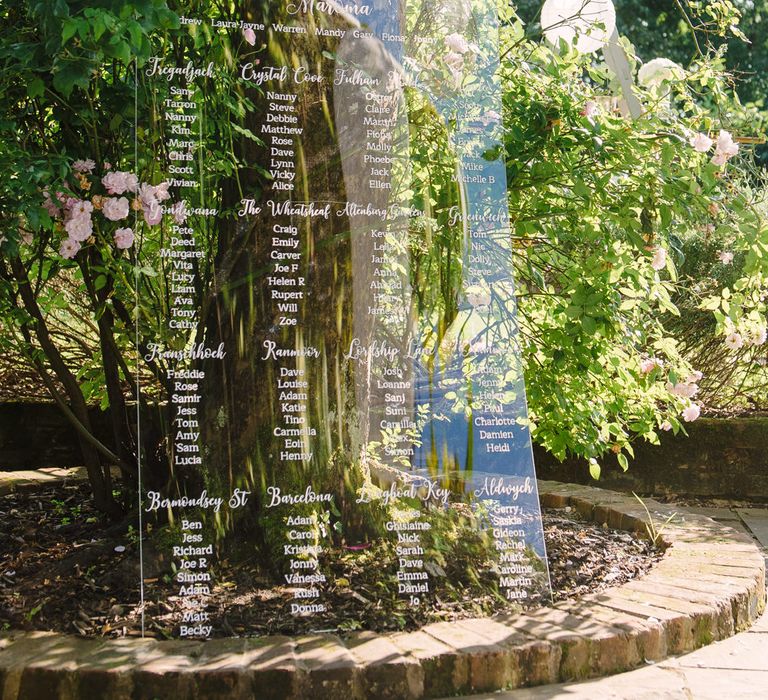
x=61, y=571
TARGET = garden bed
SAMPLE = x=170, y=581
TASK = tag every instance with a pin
x=61, y=570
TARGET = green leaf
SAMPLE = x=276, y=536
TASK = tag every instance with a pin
x=594, y=469
x=35, y=87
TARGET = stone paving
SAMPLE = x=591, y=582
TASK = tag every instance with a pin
x=733, y=669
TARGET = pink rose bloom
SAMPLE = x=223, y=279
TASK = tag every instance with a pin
x=734, y=341
x=726, y=257
x=590, y=109
x=648, y=365
x=250, y=36
x=758, y=336
x=701, y=143
x=719, y=159
x=124, y=238
x=683, y=389
x=131, y=182
x=79, y=228
x=81, y=208
x=691, y=412
x=119, y=182
x=455, y=61
x=726, y=144
x=146, y=194
x=456, y=43
x=666, y=426
x=83, y=166
x=161, y=191
x=180, y=212
x=115, y=209
x=69, y=248
x=50, y=207
x=153, y=214
x=659, y=261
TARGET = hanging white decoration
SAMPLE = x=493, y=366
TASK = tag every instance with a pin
x=590, y=22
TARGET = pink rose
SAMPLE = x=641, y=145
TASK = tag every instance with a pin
x=725, y=149
x=50, y=207
x=124, y=238
x=758, y=336
x=726, y=257
x=648, y=365
x=153, y=214
x=734, y=341
x=180, y=212
x=81, y=208
x=691, y=412
x=79, y=228
x=456, y=43
x=666, y=426
x=455, y=61
x=69, y=248
x=83, y=166
x=115, y=209
x=119, y=182
x=250, y=36
x=161, y=191
x=701, y=143
x=659, y=261
x=590, y=109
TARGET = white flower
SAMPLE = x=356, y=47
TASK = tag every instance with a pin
x=734, y=341
x=79, y=228
x=115, y=208
x=691, y=412
x=701, y=143
x=69, y=248
x=124, y=238
x=726, y=257
x=456, y=43
x=250, y=36
x=658, y=71
x=659, y=261
x=666, y=425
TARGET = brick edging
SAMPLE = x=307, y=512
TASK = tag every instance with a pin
x=709, y=585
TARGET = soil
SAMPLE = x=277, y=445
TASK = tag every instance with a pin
x=61, y=570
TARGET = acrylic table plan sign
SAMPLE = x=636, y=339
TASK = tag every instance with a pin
x=335, y=378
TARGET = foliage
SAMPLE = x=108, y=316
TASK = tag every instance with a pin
x=609, y=216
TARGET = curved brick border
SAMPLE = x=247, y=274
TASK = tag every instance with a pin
x=709, y=585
